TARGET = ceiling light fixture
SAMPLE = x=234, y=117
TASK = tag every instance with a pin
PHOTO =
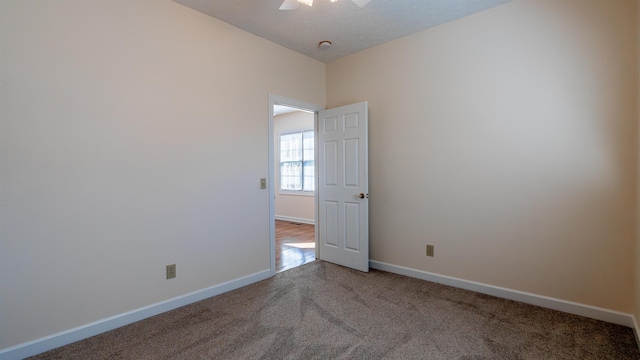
x=293, y=4
x=310, y=2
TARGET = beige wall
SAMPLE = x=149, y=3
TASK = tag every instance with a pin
x=507, y=139
x=636, y=302
x=133, y=135
x=289, y=206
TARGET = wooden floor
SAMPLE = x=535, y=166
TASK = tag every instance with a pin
x=295, y=244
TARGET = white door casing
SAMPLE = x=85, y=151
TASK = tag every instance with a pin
x=343, y=186
x=280, y=100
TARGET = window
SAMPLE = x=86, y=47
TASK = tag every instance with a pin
x=296, y=161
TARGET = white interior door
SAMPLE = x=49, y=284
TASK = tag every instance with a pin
x=343, y=186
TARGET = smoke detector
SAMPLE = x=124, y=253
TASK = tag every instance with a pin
x=324, y=44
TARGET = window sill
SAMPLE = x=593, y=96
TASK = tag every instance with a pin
x=297, y=193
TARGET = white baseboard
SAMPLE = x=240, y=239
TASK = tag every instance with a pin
x=41, y=345
x=636, y=330
x=295, y=219
x=570, y=307
x=47, y=343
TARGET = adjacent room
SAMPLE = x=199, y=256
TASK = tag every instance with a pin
x=141, y=170
x=294, y=187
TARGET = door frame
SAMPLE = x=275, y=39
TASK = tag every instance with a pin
x=293, y=103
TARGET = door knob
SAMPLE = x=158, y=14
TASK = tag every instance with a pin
x=361, y=196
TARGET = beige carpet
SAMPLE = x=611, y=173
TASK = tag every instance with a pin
x=324, y=311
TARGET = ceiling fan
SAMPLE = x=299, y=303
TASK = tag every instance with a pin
x=293, y=4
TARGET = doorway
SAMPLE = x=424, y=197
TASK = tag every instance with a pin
x=294, y=186
x=293, y=201
x=341, y=190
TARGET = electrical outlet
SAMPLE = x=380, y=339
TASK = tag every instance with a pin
x=171, y=271
x=429, y=250
x=263, y=183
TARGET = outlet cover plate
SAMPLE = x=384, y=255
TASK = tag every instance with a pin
x=430, y=250
x=171, y=271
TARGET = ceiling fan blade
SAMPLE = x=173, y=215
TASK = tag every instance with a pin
x=289, y=5
x=361, y=3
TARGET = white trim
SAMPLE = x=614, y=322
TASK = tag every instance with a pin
x=295, y=219
x=636, y=330
x=293, y=103
x=47, y=343
x=570, y=307
x=296, y=193
x=303, y=106
x=316, y=199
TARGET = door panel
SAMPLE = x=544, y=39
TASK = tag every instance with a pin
x=352, y=236
x=343, y=199
x=331, y=224
x=330, y=163
x=351, y=168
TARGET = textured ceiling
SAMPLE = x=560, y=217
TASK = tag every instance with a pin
x=349, y=27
